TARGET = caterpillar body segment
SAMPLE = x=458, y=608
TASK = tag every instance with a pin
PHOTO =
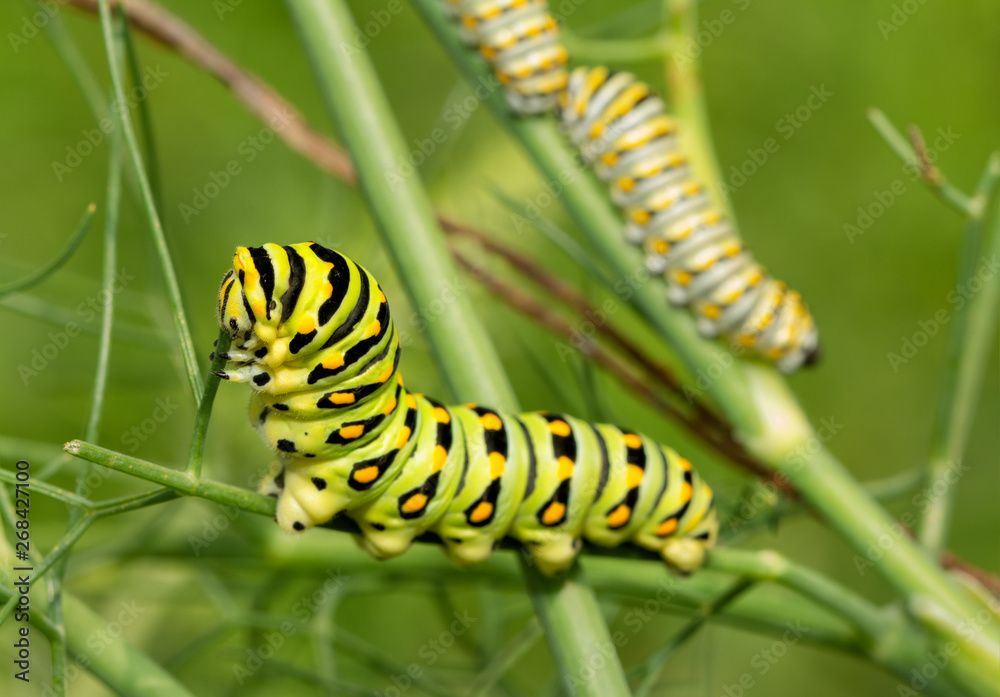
x=624, y=131
x=313, y=336
x=521, y=41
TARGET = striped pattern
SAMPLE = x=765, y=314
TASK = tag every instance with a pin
x=521, y=41
x=313, y=336
x=624, y=131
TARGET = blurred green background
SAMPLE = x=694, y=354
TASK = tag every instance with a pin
x=938, y=70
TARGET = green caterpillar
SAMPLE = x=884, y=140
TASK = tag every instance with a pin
x=312, y=334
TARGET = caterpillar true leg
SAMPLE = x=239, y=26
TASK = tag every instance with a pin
x=322, y=357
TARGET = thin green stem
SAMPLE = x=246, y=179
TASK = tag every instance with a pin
x=153, y=217
x=687, y=96
x=970, y=343
x=615, y=51
x=771, y=566
x=174, y=479
x=398, y=203
x=653, y=666
x=50, y=490
x=57, y=553
x=930, y=175
x=404, y=215
x=506, y=657
x=197, y=450
x=61, y=258
x=36, y=308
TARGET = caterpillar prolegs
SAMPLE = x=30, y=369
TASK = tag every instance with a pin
x=312, y=335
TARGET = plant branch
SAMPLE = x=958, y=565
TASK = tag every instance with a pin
x=153, y=217
x=913, y=152
x=970, y=344
x=58, y=260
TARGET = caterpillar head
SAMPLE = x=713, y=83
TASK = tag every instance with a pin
x=250, y=305
x=233, y=311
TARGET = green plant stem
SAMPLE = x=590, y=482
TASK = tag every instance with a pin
x=174, y=479
x=653, y=666
x=399, y=205
x=119, y=664
x=687, y=101
x=822, y=480
x=970, y=343
x=36, y=308
x=506, y=657
x=404, y=216
x=61, y=258
x=948, y=192
x=197, y=450
x=153, y=217
x=771, y=566
x=635, y=50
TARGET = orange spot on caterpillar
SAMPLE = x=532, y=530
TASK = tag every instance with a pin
x=559, y=428
x=352, y=431
x=633, y=476
x=619, y=516
x=685, y=492
x=666, y=527
x=684, y=463
x=414, y=503
x=389, y=407
x=481, y=512
x=333, y=361
x=439, y=458
x=498, y=463
x=373, y=329
x=340, y=398
x=404, y=436
x=441, y=415
x=491, y=422
x=565, y=470
x=632, y=441
x=411, y=401
x=553, y=513
x=366, y=475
